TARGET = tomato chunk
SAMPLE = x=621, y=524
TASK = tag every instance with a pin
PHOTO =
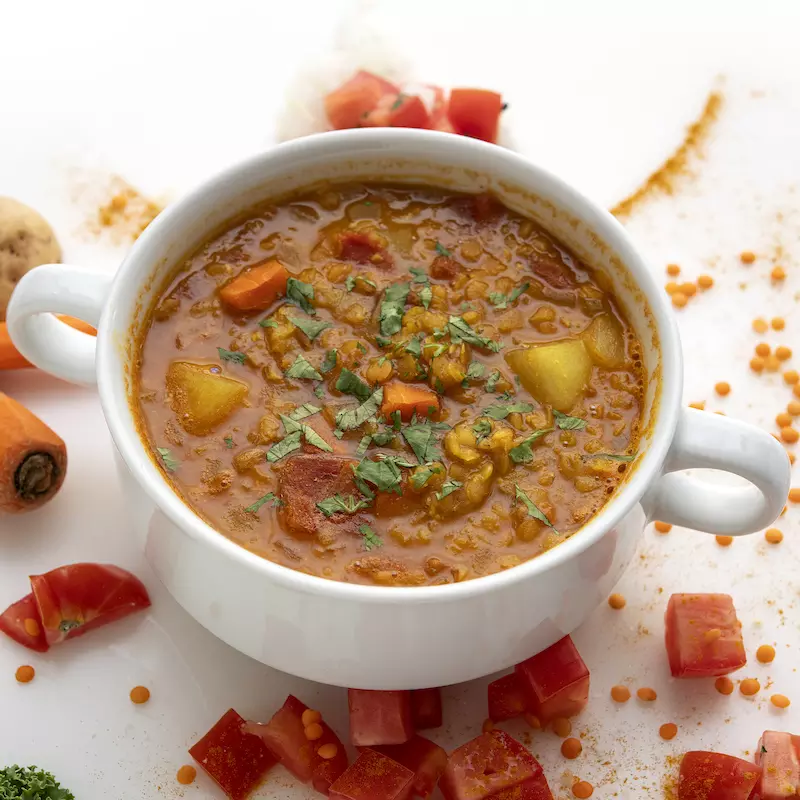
x=378, y=717
x=703, y=636
x=408, y=111
x=21, y=621
x=235, y=759
x=285, y=736
x=715, y=776
x=475, y=113
x=506, y=698
x=426, y=708
x=424, y=758
x=257, y=288
x=409, y=399
x=347, y=106
x=494, y=765
x=373, y=776
x=363, y=248
x=555, y=681
x=75, y=599
x=777, y=755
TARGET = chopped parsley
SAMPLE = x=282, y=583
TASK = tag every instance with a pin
x=169, y=461
x=303, y=370
x=319, y=391
x=270, y=497
x=328, y=363
x=474, y=371
x=426, y=295
x=350, y=419
x=491, y=382
x=301, y=294
x=396, y=418
x=230, y=355
x=341, y=505
x=414, y=345
x=419, y=275
x=522, y=453
x=421, y=438
x=309, y=434
x=384, y=475
x=310, y=327
x=442, y=250
x=461, y=331
x=31, y=783
x=349, y=383
x=500, y=300
x=381, y=438
x=482, y=428
x=423, y=475
x=303, y=411
x=533, y=510
x=371, y=539
x=268, y=323
x=229, y=443
x=501, y=412
x=448, y=488
x=350, y=282
x=567, y=423
x=392, y=308
x=288, y=444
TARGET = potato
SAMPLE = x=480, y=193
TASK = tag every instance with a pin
x=202, y=398
x=554, y=373
x=605, y=342
x=26, y=241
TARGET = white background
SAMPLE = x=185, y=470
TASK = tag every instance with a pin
x=167, y=93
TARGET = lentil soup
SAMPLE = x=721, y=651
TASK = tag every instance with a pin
x=390, y=385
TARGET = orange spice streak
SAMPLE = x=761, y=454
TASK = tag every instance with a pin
x=669, y=730
x=617, y=601
x=582, y=790
x=749, y=686
x=647, y=694
x=780, y=701
x=766, y=653
x=724, y=685
x=186, y=774
x=773, y=535
x=25, y=674
x=139, y=695
x=620, y=694
x=700, y=405
x=571, y=748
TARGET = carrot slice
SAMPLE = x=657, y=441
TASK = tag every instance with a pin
x=256, y=287
x=475, y=113
x=407, y=399
x=11, y=358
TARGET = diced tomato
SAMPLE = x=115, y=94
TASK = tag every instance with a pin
x=408, y=111
x=426, y=708
x=703, y=636
x=80, y=597
x=373, y=776
x=715, y=776
x=555, y=681
x=494, y=765
x=237, y=760
x=378, y=717
x=475, y=113
x=21, y=621
x=364, y=248
x=347, y=106
x=439, y=120
x=777, y=755
x=506, y=698
x=285, y=736
x=424, y=758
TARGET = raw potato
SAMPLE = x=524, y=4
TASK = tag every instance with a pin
x=26, y=241
x=555, y=373
x=203, y=399
x=605, y=342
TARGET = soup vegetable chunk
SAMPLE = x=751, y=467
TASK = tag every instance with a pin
x=390, y=385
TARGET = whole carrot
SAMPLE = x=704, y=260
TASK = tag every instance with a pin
x=11, y=358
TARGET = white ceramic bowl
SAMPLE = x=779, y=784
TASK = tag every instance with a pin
x=396, y=638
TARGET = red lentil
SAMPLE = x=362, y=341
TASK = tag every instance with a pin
x=582, y=790
x=783, y=353
x=689, y=289
x=760, y=325
x=778, y=274
x=780, y=701
x=757, y=364
x=705, y=281
x=25, y=674
x=783, y=420
x=186, y=774
x=663, y=527
x=669, y=730
x=772, y=363
x=722, y=388
x=313, y=731
x=620, y=694
x=789, y=435
x=747, y=257
x=32, y=627
x=778, y=323
x=796, y=390
x=647, y=694
x=571, y=748
x=328, y=751
x=139, y=695
x=679, y=299
x=673, y=269
x=749, y=686
x=562, y=727
x=310, y=716
x=532, y=720
x=700, y=405
x=724, y=541
x=671, y=287
x=773, y=536
x=763, y=349
x=616, y=601
x=791, y=376
x=487, y=726
x=766, y=653
x=793, y=408
x=724, y=685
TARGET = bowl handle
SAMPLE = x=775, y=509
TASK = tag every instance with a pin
x=44, y=340
x=704, y=440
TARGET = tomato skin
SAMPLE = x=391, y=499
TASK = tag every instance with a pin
x=235, y=759
x=715, y=776
x=475, y=113
x=779, y=758
x=378, y=717
x=424, y=758
x=703, y=636
x=351, y=103
x=555, y=681
x=506, y=698
x=285, y=737
x=373, y=776
x=12, y=623
x=77, y=598
x=408, y=111
x=426, y=708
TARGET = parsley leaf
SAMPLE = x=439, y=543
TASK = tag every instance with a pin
x=169, y=461
x=567, y=423
x=396, y=418
x=522, y=453
x=309, y=434
x=328, y=363
x=613, y=456
x=230, y=355
x=501, y=412
x=491, y=383
x=229, y=443
x=31, y=783
x=500, y=301
x=371, y=539
x=426, y=295
x=319, y=391
x=474, y=370
x=350, y=282
x=268, y=323
x=414, y=345
x=350, y=419
x=288, y=444
x=421, y=438
x=419, y=275
x=303, y=370
x=448, y=488
x=338, y=504
x=461, y=331
x=392, y=308
x=267, y=498
x=384, y=475
x=423, y=475
x=533, y=510
x=442, y=250
x=482, y=428
x=381, y=438
x=300, y=294
x=349, y=383
x=303, y=411
x=310, y=327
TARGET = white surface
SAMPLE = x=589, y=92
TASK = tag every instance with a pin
x=95, y=92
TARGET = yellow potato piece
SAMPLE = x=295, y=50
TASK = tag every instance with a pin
x=555, y=373
x=201, y=398
x=605, y=342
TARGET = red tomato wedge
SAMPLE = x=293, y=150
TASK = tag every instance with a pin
x=408, y=111
x=347, y=106
x=494, y=765
x=373, y=776
x=424, y=758
x=475, y=113
x=21, y=621
x=703, y=636
x=75, y=599
x=715, y=776
x=364, y=248
x=426, y=708
x=285, y=736
x=438, y=116
x=555, y=681
x=777, y=755
x=238, y=761
x=506, y=698
x=378, y=717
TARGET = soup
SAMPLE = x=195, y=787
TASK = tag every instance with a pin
x=390, y=385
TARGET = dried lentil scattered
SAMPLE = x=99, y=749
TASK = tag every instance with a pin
x=571, y=748
x=186, y=774
x=669, y=730
x=620, y=694
x=773, y=536
x=780, y=701
x=25, y=674
x=749, y=686
x=139, y=695
x=724, y=685
x=766, y=653
x=663, y=527
x=616, y=601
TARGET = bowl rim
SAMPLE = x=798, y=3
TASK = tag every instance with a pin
x=114, y=400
